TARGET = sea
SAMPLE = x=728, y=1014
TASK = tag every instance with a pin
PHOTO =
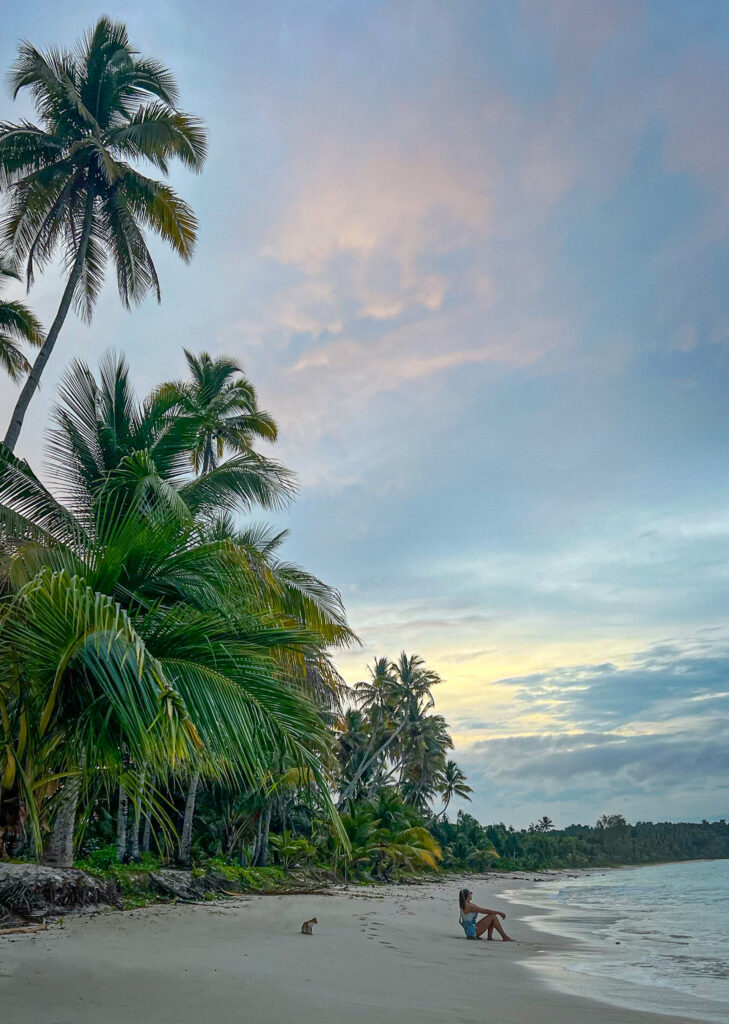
x=652, y=938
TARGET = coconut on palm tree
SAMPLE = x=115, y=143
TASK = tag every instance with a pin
x=18, y=326
x=71, y=180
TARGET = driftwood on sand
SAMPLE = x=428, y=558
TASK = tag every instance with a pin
x=23, y=929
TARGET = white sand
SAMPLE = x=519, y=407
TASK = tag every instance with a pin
x=394, y=954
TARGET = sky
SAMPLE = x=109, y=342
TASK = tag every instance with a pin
x=474, y=256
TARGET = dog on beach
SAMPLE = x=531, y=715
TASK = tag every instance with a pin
x=306, y=928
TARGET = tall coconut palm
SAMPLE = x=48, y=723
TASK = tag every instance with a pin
x=222, y=405
x=397, y=697
x=71, y=181
x=17, y=325
x=219, y=406
x=417, y=681
x=354, y=749
x=454, y=784
x=382, y=690
x=422, y=750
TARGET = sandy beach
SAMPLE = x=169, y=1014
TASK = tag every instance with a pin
x=392, y=953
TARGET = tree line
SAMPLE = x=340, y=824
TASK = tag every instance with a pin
x=611, y=841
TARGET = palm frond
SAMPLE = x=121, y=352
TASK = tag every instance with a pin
x=245, y=480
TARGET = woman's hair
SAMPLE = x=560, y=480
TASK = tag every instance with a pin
x=463, y=897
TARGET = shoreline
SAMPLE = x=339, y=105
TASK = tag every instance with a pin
x=391, y=952
x=573, y=966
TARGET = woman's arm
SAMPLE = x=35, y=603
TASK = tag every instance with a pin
x=484, y=910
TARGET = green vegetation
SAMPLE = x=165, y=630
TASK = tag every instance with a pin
x=18, y=326
x=612, y=841
x=146, y=639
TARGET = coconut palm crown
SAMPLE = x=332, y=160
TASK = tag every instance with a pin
x=70, y=179
x=222, y=405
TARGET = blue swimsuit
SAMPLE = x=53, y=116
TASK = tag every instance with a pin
x=468, y=923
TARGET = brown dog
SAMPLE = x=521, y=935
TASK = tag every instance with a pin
x=306, y=928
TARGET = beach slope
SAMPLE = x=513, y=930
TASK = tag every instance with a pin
x=376, y=955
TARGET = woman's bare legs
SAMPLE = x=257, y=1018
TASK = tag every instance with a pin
x=487, y=924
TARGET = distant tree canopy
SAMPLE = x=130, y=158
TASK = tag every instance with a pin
x=611, y=841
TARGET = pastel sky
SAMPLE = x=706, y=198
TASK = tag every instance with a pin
x=474, y=255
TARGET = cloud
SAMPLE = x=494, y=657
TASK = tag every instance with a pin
x=661, y=684
x=380, y=195
x=629, y=736
x=634, y=760
x=596, y=772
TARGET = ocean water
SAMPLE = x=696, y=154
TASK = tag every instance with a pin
x=653, y=938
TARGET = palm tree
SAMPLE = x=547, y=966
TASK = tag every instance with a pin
x=397, y=697
x=223, y=407
x=219, y=406
x=17, y=325
x=158, y=628
x=70, y=178
x=454, y=784
x=416, y=679
x=105, y=438
x=545, y=824
x=382, y=690
x=422, y=752
x=355, y=741
x=382, y=836
x=292, y=850
x=141, y=622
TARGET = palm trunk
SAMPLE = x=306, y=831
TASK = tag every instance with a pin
x=147, y=833
x=183, y=855
x=59, y=852
x=122, y=821
x=349, y=790
x=33, y=380
x=263, y=852
x=122, y=816
x=147, y=830
x=134, y=839
x=257, y=843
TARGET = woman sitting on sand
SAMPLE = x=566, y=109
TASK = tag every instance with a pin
x=469, y=913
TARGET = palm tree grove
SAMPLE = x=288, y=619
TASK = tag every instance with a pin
x=170, y=701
